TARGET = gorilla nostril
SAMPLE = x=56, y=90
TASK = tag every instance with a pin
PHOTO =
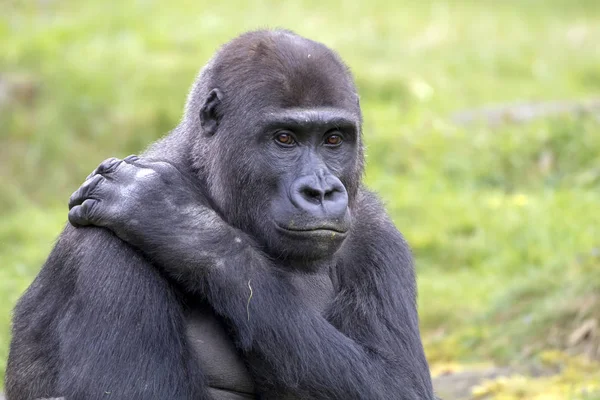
x=311, y=194
x=331, y=193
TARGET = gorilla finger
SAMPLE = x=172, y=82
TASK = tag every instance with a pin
x=85, y=191
x=85, y=214
x=131, y=159
x=106, y=166
x=145, y=162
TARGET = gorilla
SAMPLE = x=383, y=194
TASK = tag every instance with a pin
x=240, y=257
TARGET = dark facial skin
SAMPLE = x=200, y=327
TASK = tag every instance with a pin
x=302, y=159
x=251, y=211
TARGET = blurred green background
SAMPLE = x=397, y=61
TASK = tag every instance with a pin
x=502, y=213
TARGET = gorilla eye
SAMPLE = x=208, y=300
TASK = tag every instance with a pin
x=333, y=140
x=285, y=138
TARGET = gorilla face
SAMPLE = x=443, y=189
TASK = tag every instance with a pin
x=307, y=156
x=285, y=147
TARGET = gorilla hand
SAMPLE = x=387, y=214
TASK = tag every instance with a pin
x=153, y=206
x=121, y=193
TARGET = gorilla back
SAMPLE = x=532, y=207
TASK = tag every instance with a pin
x=248, y=263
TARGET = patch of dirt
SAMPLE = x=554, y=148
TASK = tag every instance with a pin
x=458, y=386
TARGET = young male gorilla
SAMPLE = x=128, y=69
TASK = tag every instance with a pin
x=243, y=258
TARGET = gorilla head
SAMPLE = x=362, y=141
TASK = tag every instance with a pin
x=277, y=127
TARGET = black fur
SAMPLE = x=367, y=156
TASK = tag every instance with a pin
x=293, y=256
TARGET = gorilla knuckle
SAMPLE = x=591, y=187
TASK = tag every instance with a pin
x=74, y=198
x=108, y=165
x=92, y=184
x=84, y=214
x=88, y=209
x=132, y=158
x=89, y=189
x=74, y=216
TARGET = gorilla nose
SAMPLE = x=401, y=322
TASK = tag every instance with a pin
x=320, y=196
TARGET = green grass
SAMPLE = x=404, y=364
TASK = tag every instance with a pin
x=503, y=221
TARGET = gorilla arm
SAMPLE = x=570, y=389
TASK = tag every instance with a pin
x=366, y=346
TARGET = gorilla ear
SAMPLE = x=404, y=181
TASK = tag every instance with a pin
x=209, y=118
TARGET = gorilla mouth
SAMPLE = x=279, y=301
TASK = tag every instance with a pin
x=313, y=230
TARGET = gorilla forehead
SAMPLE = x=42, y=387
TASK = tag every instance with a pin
x=277, y=68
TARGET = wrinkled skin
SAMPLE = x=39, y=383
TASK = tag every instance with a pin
x=239, y=257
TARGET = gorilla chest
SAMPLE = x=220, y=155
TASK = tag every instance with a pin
x=226, y=373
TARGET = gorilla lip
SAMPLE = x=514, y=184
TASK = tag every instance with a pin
x=319, y=229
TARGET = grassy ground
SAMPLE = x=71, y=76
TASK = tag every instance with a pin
x=504, y=221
